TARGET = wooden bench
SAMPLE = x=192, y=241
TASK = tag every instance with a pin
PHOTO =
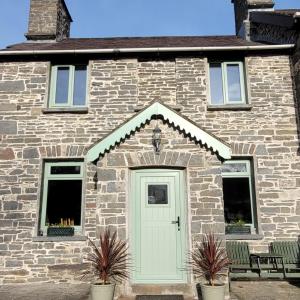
x=290, y=250
x=240, y=264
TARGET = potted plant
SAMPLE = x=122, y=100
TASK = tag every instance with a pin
x=238, y=227
x=209, y=261
x=109, y=262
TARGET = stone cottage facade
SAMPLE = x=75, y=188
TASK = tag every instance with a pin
x=77, y=125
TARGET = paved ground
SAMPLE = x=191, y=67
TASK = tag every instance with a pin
x=265, y=290
x=241, y=290
x=46, y=291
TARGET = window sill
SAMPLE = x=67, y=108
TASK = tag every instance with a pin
x=71, y=110
x=229, y=107
x=74, y=238
x=243, y=237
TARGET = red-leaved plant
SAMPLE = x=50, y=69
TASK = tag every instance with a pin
x=109, y=259
x=209, y=259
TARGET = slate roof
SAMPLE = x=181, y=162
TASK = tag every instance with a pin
x=135, y=42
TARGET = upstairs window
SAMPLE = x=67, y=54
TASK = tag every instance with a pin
x=62, y=195
x=68, y=86
x=227, y=83
x=238, y=193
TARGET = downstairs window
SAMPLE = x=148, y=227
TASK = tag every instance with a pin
x=238, y=194
x=62, y=195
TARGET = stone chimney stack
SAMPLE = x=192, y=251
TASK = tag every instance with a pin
x=242, y=8
x=48, y=20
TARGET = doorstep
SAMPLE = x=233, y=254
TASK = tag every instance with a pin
x=163, y=291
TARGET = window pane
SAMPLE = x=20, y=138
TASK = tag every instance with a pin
x=79, y=85
x=65, y=170
x=234, y=84
x=62, y=85
x=237, y=201
x=216, y=84
x=157, y=194
x=234, y=167
x=64, y=201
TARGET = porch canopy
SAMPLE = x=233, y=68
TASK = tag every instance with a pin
x=156, y=109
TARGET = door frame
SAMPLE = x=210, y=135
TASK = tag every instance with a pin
x=182, y=200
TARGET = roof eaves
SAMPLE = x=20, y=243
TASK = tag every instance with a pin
x=148, y=50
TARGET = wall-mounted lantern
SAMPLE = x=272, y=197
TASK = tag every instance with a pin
x=156, y=139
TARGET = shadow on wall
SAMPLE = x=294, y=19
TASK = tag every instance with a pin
x=296, y=67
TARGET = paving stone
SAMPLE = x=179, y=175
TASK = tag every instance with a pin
x=265, y=290
x=45, y=291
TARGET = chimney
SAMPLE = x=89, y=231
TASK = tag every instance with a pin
x=48, y=20
x=242, y=8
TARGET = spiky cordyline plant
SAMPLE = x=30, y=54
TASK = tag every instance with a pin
x=209, y=259
x=110, y=259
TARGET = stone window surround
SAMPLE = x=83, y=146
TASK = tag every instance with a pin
x=79, y=236
x=247, y=106
x=74, y=110
x=248, y=173
x=259, y=234
x=71, y=87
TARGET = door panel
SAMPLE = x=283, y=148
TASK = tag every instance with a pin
x=158, y=244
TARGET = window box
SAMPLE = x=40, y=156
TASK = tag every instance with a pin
x=60, y=231
x=234, y=229
x=227, y=84
x=68, y=87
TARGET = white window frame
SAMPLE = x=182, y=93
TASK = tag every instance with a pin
x=70, y=99
x=226, y=100
x=248, y=174
x=48, y=176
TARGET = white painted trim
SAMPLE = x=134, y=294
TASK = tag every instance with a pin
x=143, y=50
x=155, y=109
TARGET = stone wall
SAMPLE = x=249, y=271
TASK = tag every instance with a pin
x=267, y=133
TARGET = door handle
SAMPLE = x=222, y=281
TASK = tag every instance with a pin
x=177, y=222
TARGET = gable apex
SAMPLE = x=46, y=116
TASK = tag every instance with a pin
x=159, y=109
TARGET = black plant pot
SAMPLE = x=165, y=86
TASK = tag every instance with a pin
x=234, y=229
x=60, y=231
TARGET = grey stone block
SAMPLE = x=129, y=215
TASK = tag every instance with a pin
x=30, y=153
x=13, y=263
x=8, y=127
x=107, y=174
x=10, y=205
x=115, y=159
x=12, y=86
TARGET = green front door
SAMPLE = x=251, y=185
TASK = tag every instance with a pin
x=158, y=226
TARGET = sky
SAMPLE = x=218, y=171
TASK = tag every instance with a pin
x=113, y=18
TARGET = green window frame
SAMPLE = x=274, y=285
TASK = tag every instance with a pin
x=69, y=103
x=66, y=176
x=225, y=86
x=245, y=172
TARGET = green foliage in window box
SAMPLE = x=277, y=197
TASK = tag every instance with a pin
x=238, y=227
